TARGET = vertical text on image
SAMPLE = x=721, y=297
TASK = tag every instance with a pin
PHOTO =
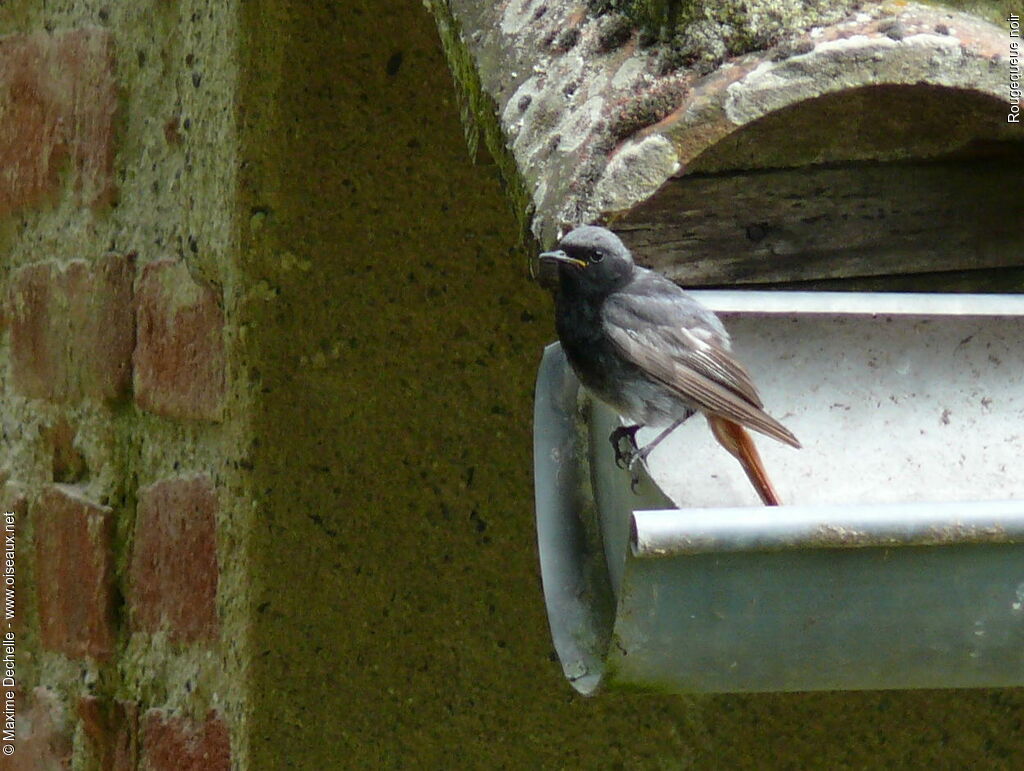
x=8, y=676
x=1013, y=116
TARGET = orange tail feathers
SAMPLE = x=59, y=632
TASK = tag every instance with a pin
x=734, y=438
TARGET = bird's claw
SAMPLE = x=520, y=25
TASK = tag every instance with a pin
x=637, y=461
x=624, y=459
x=630, y=458
x=634, y=473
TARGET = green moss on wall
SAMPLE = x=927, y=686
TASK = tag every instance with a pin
x=480, y=114
x=392, y=339
x=399, y=614
x=996, y=11
x=743, y=25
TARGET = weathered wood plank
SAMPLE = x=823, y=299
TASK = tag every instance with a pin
x=823, y=223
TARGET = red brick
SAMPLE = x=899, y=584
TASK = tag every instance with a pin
x=179, y=354
x=38, y=337
x=103, y=314
x=74, y=573
x=174, y=570
x=112, y=732
x=42, y=736
x=72, y=329
x=173, y=743
x=58, y=97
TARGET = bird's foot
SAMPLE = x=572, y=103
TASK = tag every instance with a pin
x=624, y=458
x=637, y=461
x=634, y=474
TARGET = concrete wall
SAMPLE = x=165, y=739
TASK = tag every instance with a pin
x=274, y=509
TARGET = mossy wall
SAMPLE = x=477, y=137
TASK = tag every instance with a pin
x=393, y=337
x=168, y=171
x=378, y=600
x=752, y=22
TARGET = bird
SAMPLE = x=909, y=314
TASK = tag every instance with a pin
x=653, y=353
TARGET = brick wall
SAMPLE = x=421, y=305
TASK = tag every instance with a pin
x=112, y=369
x=267, y=352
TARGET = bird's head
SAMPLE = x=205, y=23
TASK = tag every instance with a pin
x=592, y=259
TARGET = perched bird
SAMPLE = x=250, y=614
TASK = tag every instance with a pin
x=652, y=353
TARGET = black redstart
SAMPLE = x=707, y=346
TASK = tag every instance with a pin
x=652, y=353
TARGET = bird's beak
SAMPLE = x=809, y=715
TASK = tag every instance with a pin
x=560, y=256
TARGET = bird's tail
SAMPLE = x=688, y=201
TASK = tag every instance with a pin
x=734, y=438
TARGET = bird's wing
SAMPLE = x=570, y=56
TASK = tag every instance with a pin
x=683, y=345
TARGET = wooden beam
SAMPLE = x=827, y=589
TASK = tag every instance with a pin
x=821, y=223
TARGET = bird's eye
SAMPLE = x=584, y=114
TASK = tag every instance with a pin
x=596, y=256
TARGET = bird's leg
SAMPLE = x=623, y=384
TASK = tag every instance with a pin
x=624, y=459
x=640, y=456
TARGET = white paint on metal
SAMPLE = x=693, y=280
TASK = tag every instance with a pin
x=890, y=407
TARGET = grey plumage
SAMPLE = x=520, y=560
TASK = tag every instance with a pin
x=644, y=346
